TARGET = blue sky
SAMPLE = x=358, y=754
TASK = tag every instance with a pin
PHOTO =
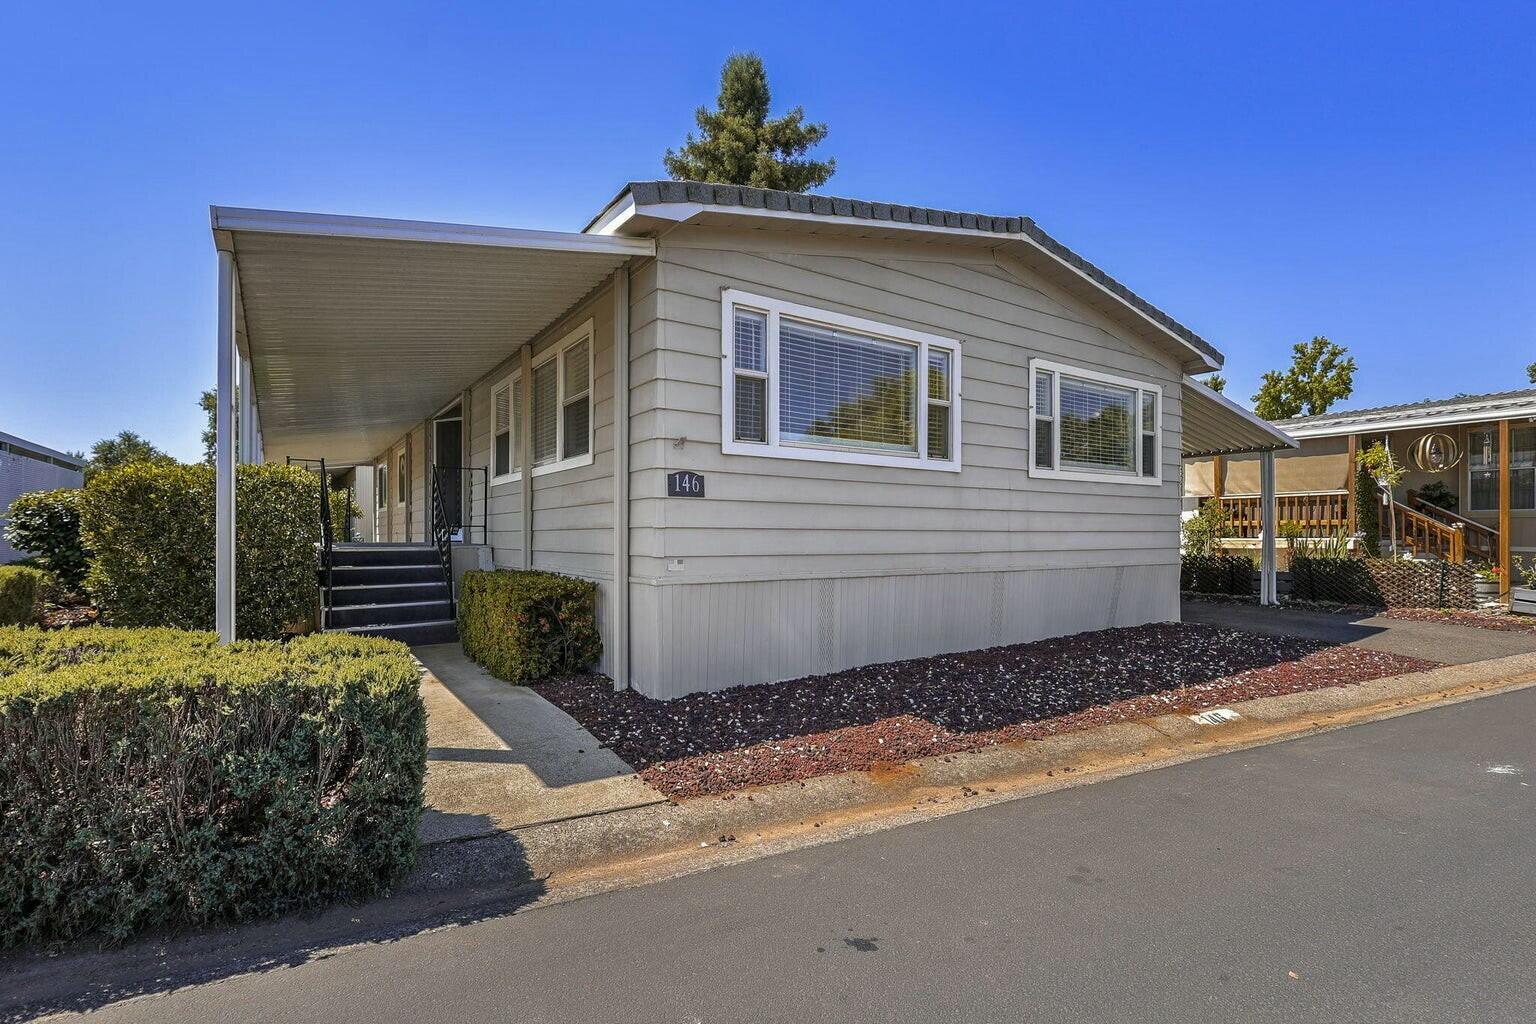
x=1262, y=172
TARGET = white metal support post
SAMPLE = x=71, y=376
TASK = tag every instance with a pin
x=224, y=455
x=1267, y=583
x=621, y=368
x=246, y=421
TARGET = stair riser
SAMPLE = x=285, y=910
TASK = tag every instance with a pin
x=396, y=594
x=385, y=556
x=345, y=576
x=434, y=633
x=375, y=615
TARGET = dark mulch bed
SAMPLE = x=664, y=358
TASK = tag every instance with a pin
x=1460, y=617
x=712, y=743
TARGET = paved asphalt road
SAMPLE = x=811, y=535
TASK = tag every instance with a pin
x=1379, y=873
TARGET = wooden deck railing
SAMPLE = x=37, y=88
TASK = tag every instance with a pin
x=1321, y=514
x=1421, y=528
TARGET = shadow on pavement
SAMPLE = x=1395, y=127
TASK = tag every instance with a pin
x=452, y=883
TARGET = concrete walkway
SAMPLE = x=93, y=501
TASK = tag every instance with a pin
x=500, y=756
x=1433, y=641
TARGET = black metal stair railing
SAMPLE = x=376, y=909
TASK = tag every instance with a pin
x=327, y=538
x=442, y=536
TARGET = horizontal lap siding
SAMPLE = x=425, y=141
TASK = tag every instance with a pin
x=821, y=517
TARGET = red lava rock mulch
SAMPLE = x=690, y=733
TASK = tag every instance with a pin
x=1462, y=617
x=714, y=743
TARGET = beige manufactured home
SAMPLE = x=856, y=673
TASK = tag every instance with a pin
x=786, y=434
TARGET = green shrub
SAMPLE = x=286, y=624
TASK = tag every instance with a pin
x=1368, y=511
x=151, y=528
x=1203, y=532
x=524, y=626
x=1216, y=574
x=152, y=777
x=47, y=524
x=22, y=589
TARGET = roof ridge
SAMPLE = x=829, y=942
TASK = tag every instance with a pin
x=1427, y=403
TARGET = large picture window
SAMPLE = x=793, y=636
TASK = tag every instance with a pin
x=1094, y=426
x=1483, y=469
x=805, y=383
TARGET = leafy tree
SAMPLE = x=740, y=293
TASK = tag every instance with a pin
x=1530, y=373
x=1216, y=382
x=208, y=401
x=1321, y=374
x=126, y=447
x=737, y=143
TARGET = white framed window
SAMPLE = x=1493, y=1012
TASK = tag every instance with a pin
x=562, y=404
x=805, y=383
x=1093, y=426
x=506, y=419
x=1483, y=469
x=402, y=479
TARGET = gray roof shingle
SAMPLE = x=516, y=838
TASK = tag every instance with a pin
x=1492, y=400
x=647, y=193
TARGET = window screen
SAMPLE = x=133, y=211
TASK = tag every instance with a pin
x=503, y=430
x=842, y=389
x=546, y=413
x=749, y=352
x=1045, y=420
x=576, y=438
x=1097, y=425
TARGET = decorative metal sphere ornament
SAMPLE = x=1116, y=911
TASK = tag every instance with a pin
x=1435, y=453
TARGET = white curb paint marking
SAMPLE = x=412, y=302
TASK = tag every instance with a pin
x=1505, y=769
x=1215, y=716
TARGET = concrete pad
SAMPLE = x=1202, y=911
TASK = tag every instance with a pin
x=500, y=756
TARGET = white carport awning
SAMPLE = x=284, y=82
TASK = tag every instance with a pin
x=358, y=328
x=1216, y=425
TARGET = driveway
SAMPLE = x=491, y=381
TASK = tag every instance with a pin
x=500, y=756
x=1433, y=641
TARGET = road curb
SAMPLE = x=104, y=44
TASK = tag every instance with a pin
x=622, y=848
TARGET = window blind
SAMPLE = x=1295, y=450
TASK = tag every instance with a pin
x=503, y=431
x=842, y=389
x=546, y=412
x=750, y=340
x=1097, y=423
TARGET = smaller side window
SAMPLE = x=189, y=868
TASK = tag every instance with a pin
x=750, y=351
x=400, y=480
x=938, y=404
x=576, y=400
x=1149, y=452
x=1045, y=420
x=505, y=407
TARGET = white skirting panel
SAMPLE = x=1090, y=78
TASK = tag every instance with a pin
x=708, y=636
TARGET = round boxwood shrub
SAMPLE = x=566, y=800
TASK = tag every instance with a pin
x=151, y=530
x=153, y=777
x=46, y=524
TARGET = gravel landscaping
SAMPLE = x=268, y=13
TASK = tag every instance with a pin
x=1501, y=621
x=717, y=743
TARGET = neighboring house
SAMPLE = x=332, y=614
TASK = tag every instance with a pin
x=1468, y=444
x=27, y=466
x=786, y=434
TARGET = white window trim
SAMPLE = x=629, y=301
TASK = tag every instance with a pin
x=557, y=350
x=731, y=298
x=507, y=384
x=1135, y=477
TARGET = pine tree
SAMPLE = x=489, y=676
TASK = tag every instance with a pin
x=737, y=143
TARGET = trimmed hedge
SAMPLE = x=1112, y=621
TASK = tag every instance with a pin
x=152, y=777
x=151, y=528
x=1216, y=574
x=47, y=524
x=21, y=594
x=524, y=626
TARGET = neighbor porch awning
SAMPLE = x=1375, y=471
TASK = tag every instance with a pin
x=347, y=331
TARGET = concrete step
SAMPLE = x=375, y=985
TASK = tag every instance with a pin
x=361, y=575
x=384, y=554
x=388, y=593
x=389, y=614
x=441, y=631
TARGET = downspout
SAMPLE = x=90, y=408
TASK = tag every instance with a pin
x=525, y=447
x=621, y=370
x=224, y=453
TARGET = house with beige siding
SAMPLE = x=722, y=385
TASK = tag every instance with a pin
x=1468, y=492
x=786, y=434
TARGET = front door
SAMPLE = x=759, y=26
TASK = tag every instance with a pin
x=381, y=502
x=448, y=457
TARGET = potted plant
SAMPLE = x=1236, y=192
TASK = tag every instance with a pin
x=1522, y=599
x=1487, y=586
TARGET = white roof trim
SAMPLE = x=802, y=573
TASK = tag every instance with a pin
x=42, y=449
x=1408, y=420
x=285, y=222
x=617, y=214
x=1280, y=438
